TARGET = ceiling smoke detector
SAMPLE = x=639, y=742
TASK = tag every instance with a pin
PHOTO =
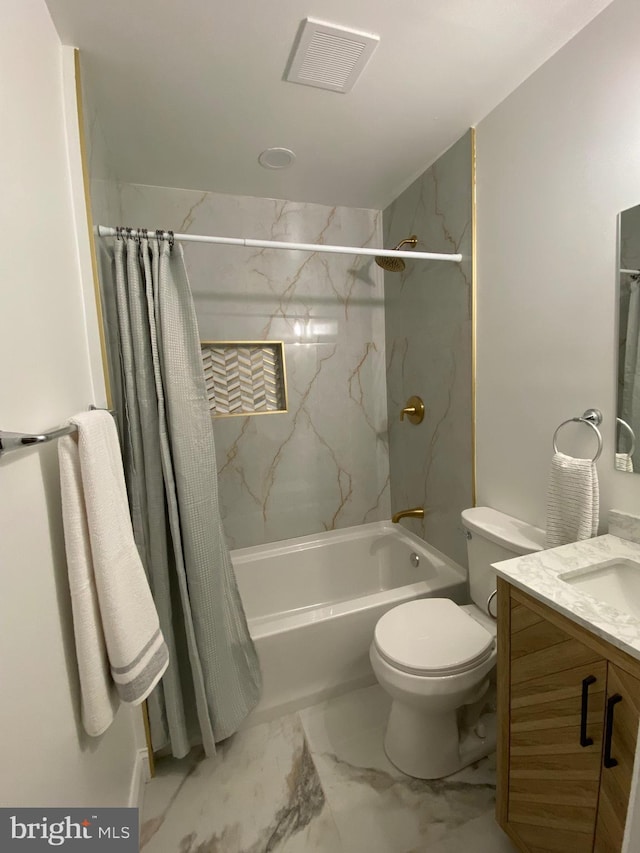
x=329, y=57
x=276, y=158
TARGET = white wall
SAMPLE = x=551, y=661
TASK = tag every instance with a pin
x=557, y=161
x=46, y=758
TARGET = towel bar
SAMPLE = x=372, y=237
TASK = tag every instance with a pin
x=17, y=440
x=592, y=418
x=10, y=441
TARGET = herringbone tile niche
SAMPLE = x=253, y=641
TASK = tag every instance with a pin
x=244, y=377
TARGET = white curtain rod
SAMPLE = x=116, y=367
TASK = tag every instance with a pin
x=631, y=272
x=108, y=231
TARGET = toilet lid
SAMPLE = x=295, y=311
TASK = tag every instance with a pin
x=432, y=636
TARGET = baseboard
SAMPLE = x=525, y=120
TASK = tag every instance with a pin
x=139, y=778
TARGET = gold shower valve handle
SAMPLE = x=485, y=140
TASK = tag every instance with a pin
x=414, y=410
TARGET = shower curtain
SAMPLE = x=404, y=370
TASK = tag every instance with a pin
x=213, y=679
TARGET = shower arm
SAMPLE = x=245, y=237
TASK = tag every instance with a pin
x=108, y=231
x=412, y=241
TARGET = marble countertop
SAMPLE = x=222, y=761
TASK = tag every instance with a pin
x=538, y=575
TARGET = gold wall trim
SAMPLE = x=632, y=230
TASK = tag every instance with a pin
x=474, y=303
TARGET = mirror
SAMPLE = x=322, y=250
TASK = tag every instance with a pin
x=627, y=456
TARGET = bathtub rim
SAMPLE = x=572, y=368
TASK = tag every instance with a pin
x=284, y=622
x=357, y=531
x=261, y=627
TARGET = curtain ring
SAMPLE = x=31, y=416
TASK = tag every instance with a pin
x=118, y=232
x=141, y=234
x=171, y=241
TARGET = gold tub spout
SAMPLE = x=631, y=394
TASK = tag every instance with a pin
x=416, y=512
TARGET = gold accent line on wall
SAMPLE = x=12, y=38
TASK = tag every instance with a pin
x=474, y=287
x=100, y=316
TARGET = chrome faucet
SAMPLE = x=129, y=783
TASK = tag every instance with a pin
x=416, y=512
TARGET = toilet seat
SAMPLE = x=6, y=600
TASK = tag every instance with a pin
x=432, y=637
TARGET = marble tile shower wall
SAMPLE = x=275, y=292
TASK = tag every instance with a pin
x=324, y=464
x=429, y=351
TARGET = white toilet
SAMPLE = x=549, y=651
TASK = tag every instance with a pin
x=435, y=658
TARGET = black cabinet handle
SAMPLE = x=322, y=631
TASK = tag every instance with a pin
x=611, y=703
x=584, y=740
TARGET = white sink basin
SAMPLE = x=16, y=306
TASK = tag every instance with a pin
x=615, y=582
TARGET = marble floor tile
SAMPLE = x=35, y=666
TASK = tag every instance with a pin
x=319, y=781
x=376, y=807
x=481, y=835
x=260, y=793
x=376, y=810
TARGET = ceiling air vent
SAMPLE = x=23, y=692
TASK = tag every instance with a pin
x=329, y=57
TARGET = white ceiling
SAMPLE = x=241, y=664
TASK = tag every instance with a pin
x=190, y=92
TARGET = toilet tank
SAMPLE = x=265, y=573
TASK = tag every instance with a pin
x=493, y=536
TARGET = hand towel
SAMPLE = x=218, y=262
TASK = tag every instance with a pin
x=573, y=500
x=121, y=651
x=624, y=462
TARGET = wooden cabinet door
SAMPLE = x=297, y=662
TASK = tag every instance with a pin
x=554, y=749
x=622, y=717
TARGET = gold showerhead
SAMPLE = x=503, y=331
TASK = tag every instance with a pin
x=391, y=264
x=396, y=264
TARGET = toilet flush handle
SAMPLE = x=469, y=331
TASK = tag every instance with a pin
x=489, y=600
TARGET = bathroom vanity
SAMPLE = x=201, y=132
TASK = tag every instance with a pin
x=569, y=697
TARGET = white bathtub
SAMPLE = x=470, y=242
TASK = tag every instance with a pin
x=312, y=604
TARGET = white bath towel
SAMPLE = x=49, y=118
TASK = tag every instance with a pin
x=573, y=500
x=121, y=651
